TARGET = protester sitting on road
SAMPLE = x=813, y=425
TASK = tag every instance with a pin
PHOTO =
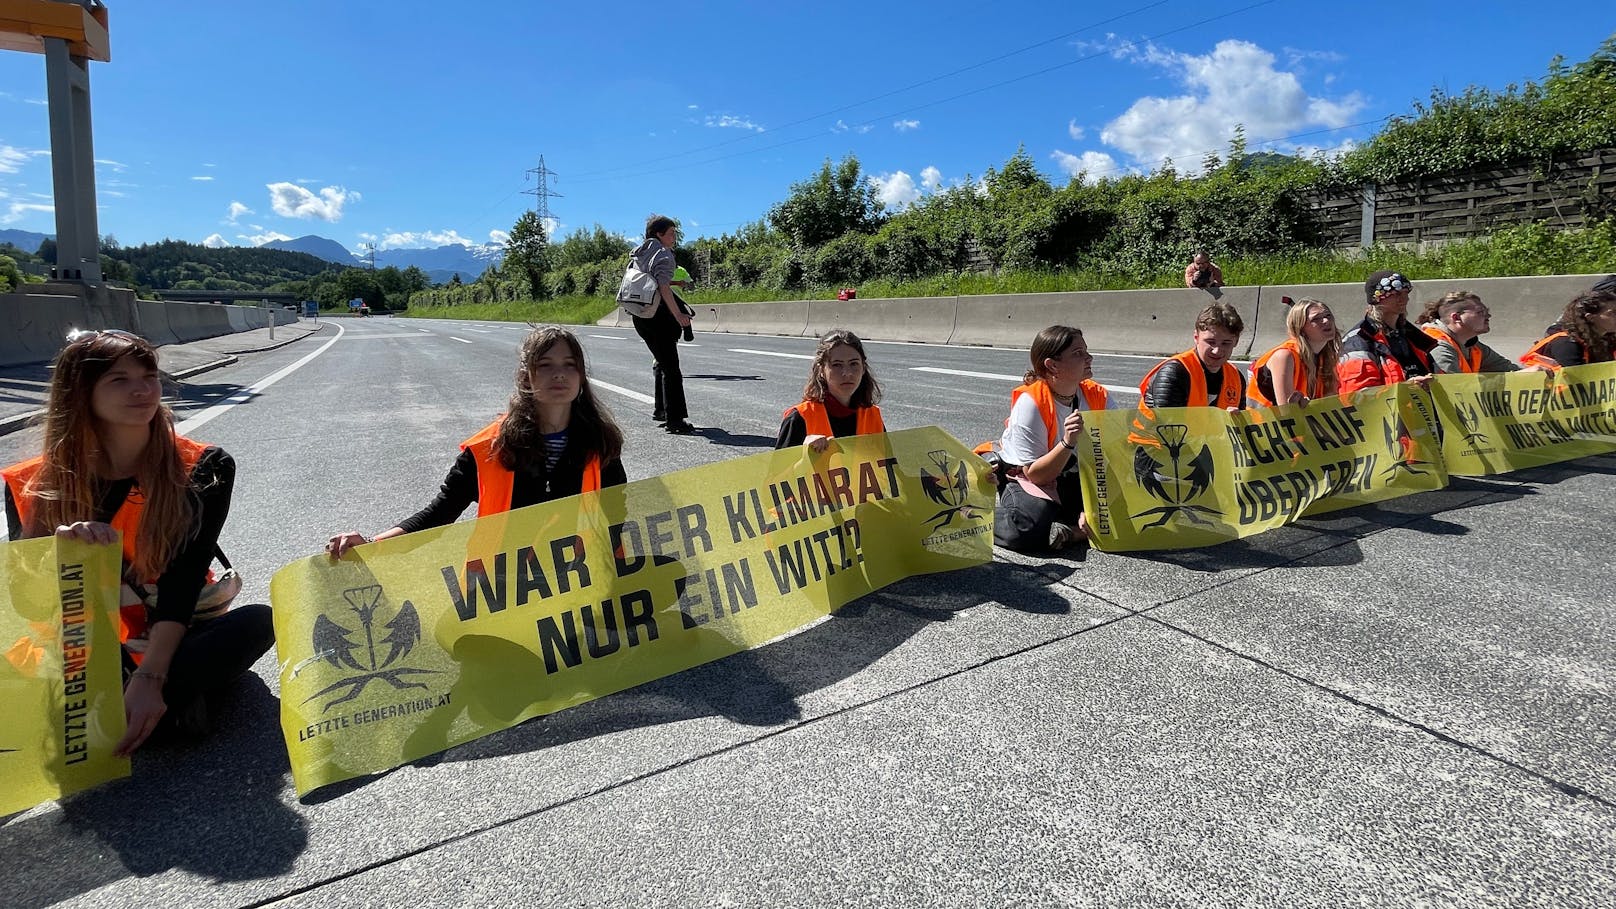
x=555, y=441
x=1384, y=349
x=1202, y=272
x=1302, y=368
x=1584, y=333
x=112, y=464
x=1201, y=376
x=1457, y=321
x=1041, y=500
x=839, y=399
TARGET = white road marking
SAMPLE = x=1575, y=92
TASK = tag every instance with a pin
x=608, y=337
x=461, y=340
x=191, y=424
x=1124, y=389
x=424, y=331
x=771, y=353
x=481, y=331
x=642, y=398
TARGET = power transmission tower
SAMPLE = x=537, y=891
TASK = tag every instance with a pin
x=370, y=254
x=542, y=193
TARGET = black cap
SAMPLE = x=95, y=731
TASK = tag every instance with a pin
x=1606, y=286
x=1385, y=281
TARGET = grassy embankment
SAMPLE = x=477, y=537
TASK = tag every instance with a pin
x=1516, y=251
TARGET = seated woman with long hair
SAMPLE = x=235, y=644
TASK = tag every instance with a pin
x=556, y=440
x=113, y=463
x=1583, y=334
x=1041, y=501
x=839, y=399
x=1303, y=368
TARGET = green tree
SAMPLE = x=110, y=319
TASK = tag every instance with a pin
x=830, y=204
x=527, y=252
x=588, y=245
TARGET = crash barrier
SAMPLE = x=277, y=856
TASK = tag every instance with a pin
x=1183, y=477
x=1148, y=322
x=34, y=325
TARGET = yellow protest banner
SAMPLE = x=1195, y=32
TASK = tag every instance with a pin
x=1502, y=421
x=1196, y=476
x=61, y=679
x=412, y=645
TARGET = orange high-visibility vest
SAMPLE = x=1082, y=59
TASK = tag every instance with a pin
x=1468, y=362
x=817, y=418
x=1299, y=379
x=496, y=482
x=1228, y=396
x=132, y=619
x=1535, y=356
x=1094, y=398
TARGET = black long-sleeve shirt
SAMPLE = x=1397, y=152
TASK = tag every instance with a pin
x=213, y=480
x=529, y=487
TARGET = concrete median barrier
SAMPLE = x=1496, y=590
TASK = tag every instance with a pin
x=788, y=318
x=33, y=327
x=151, y=322
x=1152, y=322
x=926, y=319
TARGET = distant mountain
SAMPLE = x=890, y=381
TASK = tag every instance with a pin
x=329, y=250
x=25, y=240
x=445, y=261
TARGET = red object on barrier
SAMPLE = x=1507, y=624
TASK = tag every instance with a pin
x=847, y=293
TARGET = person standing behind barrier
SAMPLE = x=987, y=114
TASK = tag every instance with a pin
x=1457, y=321
x=1201, y=376
x=555, y=441
x=1041, y=500
x=1583, y=333
x=1303, y=368
x=661, y=330
x=1384, y=349
x=839, y=399
x=1202, y=272
x=112, y=463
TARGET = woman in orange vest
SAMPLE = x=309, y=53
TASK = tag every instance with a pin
x=1303, y=368
x=555, y=441
x=1584, y=333
x=839, y=399
x=1457, y=321
x=1041, y=500
x=113, y=465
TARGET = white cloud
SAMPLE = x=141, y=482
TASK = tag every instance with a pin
x=897, y=190
x=404, y=239
x=1073, y=130
x=729, y=121
x=931, y=178
x=1235, y=84
x=292, y=201
x=203, y=179
x=499, y=236
x=841, y=126
x=692, y=107
x=215, y=241
x=117, y=166
x=237, y=209
x=305, y=181
x=904, y=126
x=16, y=211
x=1091, y=164
x=11, y=159
x=262, y=238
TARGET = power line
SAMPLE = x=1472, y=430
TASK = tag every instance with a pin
x=542, y=192
x=896, y=91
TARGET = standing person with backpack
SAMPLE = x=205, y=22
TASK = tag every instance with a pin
x=660, y=330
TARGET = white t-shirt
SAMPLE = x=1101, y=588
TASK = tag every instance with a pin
x=1025, y=439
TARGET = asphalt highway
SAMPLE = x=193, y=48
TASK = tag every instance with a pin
x=1408, y=704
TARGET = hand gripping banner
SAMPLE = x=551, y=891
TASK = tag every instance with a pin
x=412, y=645
x=1196, y=476
x=61, y=679
x=1502, y=421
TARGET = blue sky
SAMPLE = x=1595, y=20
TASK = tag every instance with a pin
x=412, y=124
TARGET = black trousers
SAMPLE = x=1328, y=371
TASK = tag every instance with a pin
x=661, y=335
x=1021, y=521
x=214, y=653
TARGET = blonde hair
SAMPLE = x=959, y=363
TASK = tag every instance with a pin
x=1440, y=309
x=1315, y=366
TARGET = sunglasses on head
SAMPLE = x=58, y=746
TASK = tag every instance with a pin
x=79, y=334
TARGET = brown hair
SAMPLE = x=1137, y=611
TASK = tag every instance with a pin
x=1049, y=345
x=1220, y=315
x=64, y=490
x=591, y=428
x=869, y=390
x=658, y=224
x=1322, y=364
x=1440, y=309
x=1575, y=322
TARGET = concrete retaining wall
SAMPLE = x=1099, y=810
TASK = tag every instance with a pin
x=1150, y=322
x=34, y=322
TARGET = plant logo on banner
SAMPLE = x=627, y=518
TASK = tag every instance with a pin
x=949, y=487
x=372, y=659
x=1177, y=483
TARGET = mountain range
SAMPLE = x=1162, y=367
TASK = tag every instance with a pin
x=25, y=240
x=440, y=263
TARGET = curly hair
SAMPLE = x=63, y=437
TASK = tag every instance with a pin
x=591, y=430
x=869, y=390
x=1575, y=322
